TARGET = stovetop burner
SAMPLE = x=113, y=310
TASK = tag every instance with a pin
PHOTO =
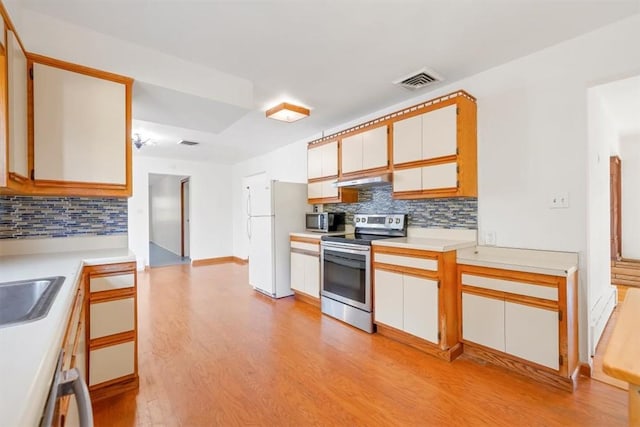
x=373, y=227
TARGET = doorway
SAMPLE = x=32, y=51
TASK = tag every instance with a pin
x=169, y=220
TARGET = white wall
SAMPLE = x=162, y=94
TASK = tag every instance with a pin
x=630, y=155
x=602, y=142
x=210, y=206
x=165, y=219
x=532, y=143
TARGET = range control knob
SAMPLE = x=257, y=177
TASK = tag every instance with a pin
x=364, y=219
x=357, y=219
x=390, y=220
x=397, y=220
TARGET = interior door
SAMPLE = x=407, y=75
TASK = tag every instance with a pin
x=185, y=195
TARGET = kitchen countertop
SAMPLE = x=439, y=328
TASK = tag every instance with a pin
x=30, y=351
x=425, y=243
x=528, y=260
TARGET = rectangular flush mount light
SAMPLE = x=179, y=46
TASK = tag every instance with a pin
x=287, y=112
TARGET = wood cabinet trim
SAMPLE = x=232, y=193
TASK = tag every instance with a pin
x=81, y=69
x=417, y=272
x=424, y=107
x=534, y=279
x=110, y=269
x=322, y=178
x=305, y=240
x=427, y=162
x=110, y=340
x=112, y=295
x=409, y=252
x=513, y=298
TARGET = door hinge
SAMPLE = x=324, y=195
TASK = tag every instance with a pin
x=457, y=184
x=560, y=315
x=438, y=284
x=33, y=174
x=439, y=336
x=31, y=73
x=560, y=360
x=457, y=110
x=457, y=169
x=457, y=151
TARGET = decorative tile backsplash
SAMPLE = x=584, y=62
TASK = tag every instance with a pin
x=432, y=213
x=23, y=217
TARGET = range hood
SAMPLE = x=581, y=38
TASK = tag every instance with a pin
x=368, y=181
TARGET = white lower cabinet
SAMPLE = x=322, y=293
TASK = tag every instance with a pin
x=407, y=303
x=305, y=273
x=483, y=320
x=532, y=334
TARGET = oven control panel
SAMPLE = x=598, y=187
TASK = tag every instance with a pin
x=386, y=221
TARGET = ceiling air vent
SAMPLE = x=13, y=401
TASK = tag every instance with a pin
x=184, y=142
x=419, y=79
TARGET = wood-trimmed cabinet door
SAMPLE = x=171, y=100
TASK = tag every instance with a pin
x=17, y=126
x=420, y=302
x=440, y=132
x=365, y=151
x=389, y=298
x=298, y=272
x=532, y=334
x=483, y=320
x=81, y=130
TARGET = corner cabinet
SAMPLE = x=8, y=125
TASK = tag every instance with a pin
x=322, y=173
x=112, y=332
x=81, y=120
x=305, y=269
x=435, y=149
x=522, y=321
x=415, y=299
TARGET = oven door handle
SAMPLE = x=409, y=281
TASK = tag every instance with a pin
x=66, y=383
x=346, y=262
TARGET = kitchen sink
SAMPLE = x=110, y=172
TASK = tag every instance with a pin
x=27, y=300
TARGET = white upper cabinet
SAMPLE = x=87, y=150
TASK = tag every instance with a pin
x=365, y=150
x=407, y=140
x=322, y=160
x=17, y=103
x=439, y=133
x=427, y=136
x=80, y=127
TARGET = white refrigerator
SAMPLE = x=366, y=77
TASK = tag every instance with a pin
x=274, y=209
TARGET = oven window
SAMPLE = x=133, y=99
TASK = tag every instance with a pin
x=345, y=275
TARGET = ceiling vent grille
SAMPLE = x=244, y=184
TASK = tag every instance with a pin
x=184, y=142
x=419, y=79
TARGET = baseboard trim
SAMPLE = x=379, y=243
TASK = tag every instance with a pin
x=585, y=370
x=420, y=344
x=240, y=261
x=114, y=387
x=308, y=299
x=211, y=261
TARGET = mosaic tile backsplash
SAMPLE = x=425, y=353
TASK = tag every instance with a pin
x=431, y=213
x=23, y=217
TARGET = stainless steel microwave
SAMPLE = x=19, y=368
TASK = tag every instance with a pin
x=325, y=221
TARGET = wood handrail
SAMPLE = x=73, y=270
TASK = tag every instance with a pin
x=622, y=356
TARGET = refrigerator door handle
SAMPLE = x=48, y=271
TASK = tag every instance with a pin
x=249, y=228
x=249, y=204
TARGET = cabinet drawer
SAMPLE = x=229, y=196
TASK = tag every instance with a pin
x=520, y=288
x=112, y=317
x=312, y=247
x=109, y=283
x=111, y=362
x=404, y=261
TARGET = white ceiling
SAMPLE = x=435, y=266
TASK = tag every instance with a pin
x=622, y=99
x=336, y=57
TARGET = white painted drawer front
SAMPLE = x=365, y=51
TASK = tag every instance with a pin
x=407, y=180
x=404, y=261
x=483, y=321
x=112, y=317
x=532, y=334
x=520, y=288
x=440, y=176
x=305, y=246
x=108, y=283
x=112, y=362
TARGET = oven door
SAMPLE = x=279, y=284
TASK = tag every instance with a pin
x=346, y=275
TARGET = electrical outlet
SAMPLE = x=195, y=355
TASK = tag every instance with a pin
x=559, y=201
x=490, y=238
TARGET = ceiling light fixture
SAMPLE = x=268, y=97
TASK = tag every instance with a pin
x=287, y=112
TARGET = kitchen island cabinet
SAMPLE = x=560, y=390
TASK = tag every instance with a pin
x=518, y=309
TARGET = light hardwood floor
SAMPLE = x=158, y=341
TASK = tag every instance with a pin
x=215, y=352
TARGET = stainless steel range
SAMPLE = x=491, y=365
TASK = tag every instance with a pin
x=345, y=272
